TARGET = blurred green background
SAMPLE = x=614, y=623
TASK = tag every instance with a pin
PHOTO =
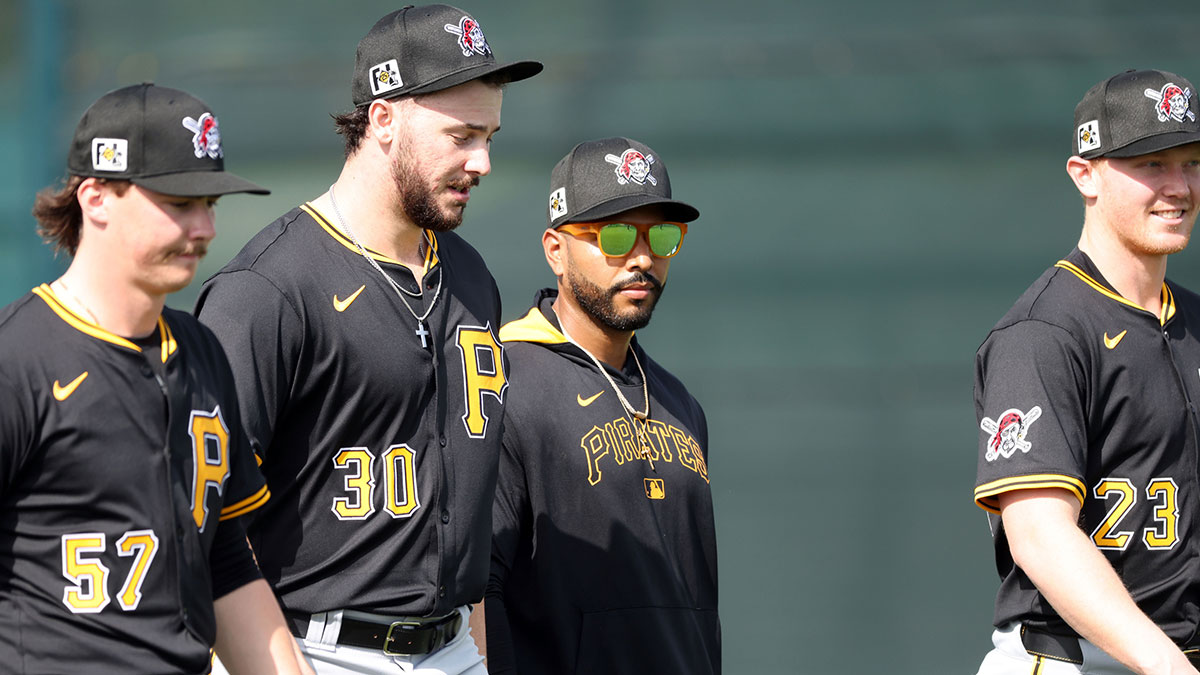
x=878, y=182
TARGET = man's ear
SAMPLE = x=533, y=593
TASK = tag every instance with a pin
x=554, y=245
x=1085, y=174
x=381, y=118
x=92, y=195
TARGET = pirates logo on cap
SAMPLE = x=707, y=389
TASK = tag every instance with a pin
x=1172, y=102
x=1089, y=136
x=385, y=77
x=206, y=137
x=632, y=166
x=109, y=154
x=558, y=203
x=470, y=36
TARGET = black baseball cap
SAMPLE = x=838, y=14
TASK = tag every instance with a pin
x=599, y=179
x=162, y=139
x=1136, y=112
x=420, y=50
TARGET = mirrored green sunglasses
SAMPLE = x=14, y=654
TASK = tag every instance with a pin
x=618, y=239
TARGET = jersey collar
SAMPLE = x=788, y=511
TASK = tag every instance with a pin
x=533, y=327
x=431, y=255
x=1079, y=264
x=169, y=344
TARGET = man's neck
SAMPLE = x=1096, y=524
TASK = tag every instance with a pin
x=1137, y=277
x=606, y=344
x=369, y=207
x=120, y=308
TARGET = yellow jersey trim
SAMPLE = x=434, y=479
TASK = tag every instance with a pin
x=1167, y=298
x=431, y=257
x=169, y=345
x=985, y=495
x=533, y=327
x=246, y=505
x=79, y=323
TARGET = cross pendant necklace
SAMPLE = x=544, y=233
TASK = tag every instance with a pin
x=421, y=331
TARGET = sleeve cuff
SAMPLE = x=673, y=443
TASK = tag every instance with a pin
x=986, y=494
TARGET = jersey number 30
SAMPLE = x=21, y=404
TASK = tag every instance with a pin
x=399, y=482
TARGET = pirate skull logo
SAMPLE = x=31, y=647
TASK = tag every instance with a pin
x=206, y=137
x=470, y=36
x=1008, y=434
x=1172, y=102
x=632, y=166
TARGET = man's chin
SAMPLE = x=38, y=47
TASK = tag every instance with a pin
x=449, y=218
x=635, y=317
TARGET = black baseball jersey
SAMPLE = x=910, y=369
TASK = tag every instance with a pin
x=1078, y=388
x=118, y=463
x=600, y=563
x=381, y=454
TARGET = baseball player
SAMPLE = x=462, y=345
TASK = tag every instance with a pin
x=363, y=335
x=1084, y=396
x=604, y=552
x=123, y=465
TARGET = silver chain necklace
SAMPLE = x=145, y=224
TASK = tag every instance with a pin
x=637, y=418
x=400, y=292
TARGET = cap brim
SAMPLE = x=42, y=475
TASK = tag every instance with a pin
x=505, y=72
x=199, y=184
x=1154, y=144
x=672, y=209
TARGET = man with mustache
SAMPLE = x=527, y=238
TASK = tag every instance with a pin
x=1085, y=396
x=363, y=334
x=123, y=465
x=604, y=549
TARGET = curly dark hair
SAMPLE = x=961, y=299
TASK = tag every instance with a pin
x=60, y=220
x=352, y=127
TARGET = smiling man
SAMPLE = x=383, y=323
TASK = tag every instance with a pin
x=362, y=332
x=604, y=555
x=1084, y=393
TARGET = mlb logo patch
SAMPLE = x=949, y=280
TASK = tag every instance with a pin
x=655, y=488
x=1088, y=136
x=385, y=77
x=558, y=203
x=110, y=154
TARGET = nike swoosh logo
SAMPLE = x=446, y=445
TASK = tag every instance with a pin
x=61, y=393
x=585, y=402
x=1112, y=342
x=341, y=305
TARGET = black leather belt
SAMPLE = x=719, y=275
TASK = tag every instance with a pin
x=1057, y=647
x=1066, y=648
x=397, y=638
